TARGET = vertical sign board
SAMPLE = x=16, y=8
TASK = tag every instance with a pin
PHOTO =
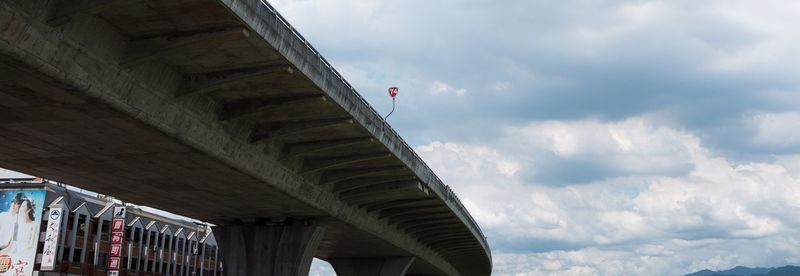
x=117, y=232
x=51, y=238
x=20, y=219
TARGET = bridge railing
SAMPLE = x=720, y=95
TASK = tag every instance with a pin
x=443, y=189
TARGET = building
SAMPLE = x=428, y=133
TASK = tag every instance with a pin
x=81, y=240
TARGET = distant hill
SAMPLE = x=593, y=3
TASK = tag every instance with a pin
x=704, y=272
x=746, y=271
x=785, y=271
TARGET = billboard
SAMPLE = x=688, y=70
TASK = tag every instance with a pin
x=51, y=238
x=117, y=231
x=20, y=217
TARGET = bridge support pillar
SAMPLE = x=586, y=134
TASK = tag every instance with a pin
x=270, y=249
x=385, y=266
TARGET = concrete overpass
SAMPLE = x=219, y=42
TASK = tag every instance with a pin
x=220, y=110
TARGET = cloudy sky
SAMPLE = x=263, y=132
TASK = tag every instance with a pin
x=592, y=137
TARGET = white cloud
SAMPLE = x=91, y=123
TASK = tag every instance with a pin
x=633, y=145
x=656, y=190
x=321, y=268
x=4, y=173
x=501, y=86
x=657, y=218
x=776, y=129
x=438, y=87
x=474, y=158
x=670, y=257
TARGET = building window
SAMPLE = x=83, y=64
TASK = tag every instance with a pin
x=77, y=257
x=127, y=234
x=103, y=260
x=92, y=225
x=104, y=230
x=134, y=264
x=70, y=221
x=65, y=254
x=82, y=225
x=137, y=232
x=152, y=239
x=180, y=245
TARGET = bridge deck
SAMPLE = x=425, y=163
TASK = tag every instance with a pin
x=218, y=110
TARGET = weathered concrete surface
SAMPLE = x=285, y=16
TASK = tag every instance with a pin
x=383, y=266
x=268, y=248
x=217, y=110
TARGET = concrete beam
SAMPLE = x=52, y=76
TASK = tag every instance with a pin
x=443, y=228
x=456, y=250
x=323, y=164
x=156, y=48
x=399, y=203
x=419, y=216
x=251, y=108
x=67, y=9
x=452, y=245
x=305, y=148
x=424, y=209
x=369, y=181
x=216, y=81
x=436, y=236
x=278, y=130
x=272, y=250
x=386, y=266
x=449, y=241
x=335, y=176
x=382, y=190
x=426, y=223
x=361, y=201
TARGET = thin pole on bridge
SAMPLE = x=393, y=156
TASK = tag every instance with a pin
x=392, y=92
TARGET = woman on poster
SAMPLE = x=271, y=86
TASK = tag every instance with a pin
x=27, y=229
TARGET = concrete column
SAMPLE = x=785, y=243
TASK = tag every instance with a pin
x=385, y=266
x=216, y=263
x=139, y=257
x=85, y=238
x=97, y=241
x=62, y=234
x=272, y=249
x=73, y=236
x=202, y=247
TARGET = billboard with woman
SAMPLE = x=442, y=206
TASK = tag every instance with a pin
x=20, y=216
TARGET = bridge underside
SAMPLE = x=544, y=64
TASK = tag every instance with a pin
x=183, y=106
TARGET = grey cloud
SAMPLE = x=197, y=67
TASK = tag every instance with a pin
x=556, y=171
x=659, y=65
x=697, y=67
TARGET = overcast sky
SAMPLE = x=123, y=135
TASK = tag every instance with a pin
x=592, y=137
